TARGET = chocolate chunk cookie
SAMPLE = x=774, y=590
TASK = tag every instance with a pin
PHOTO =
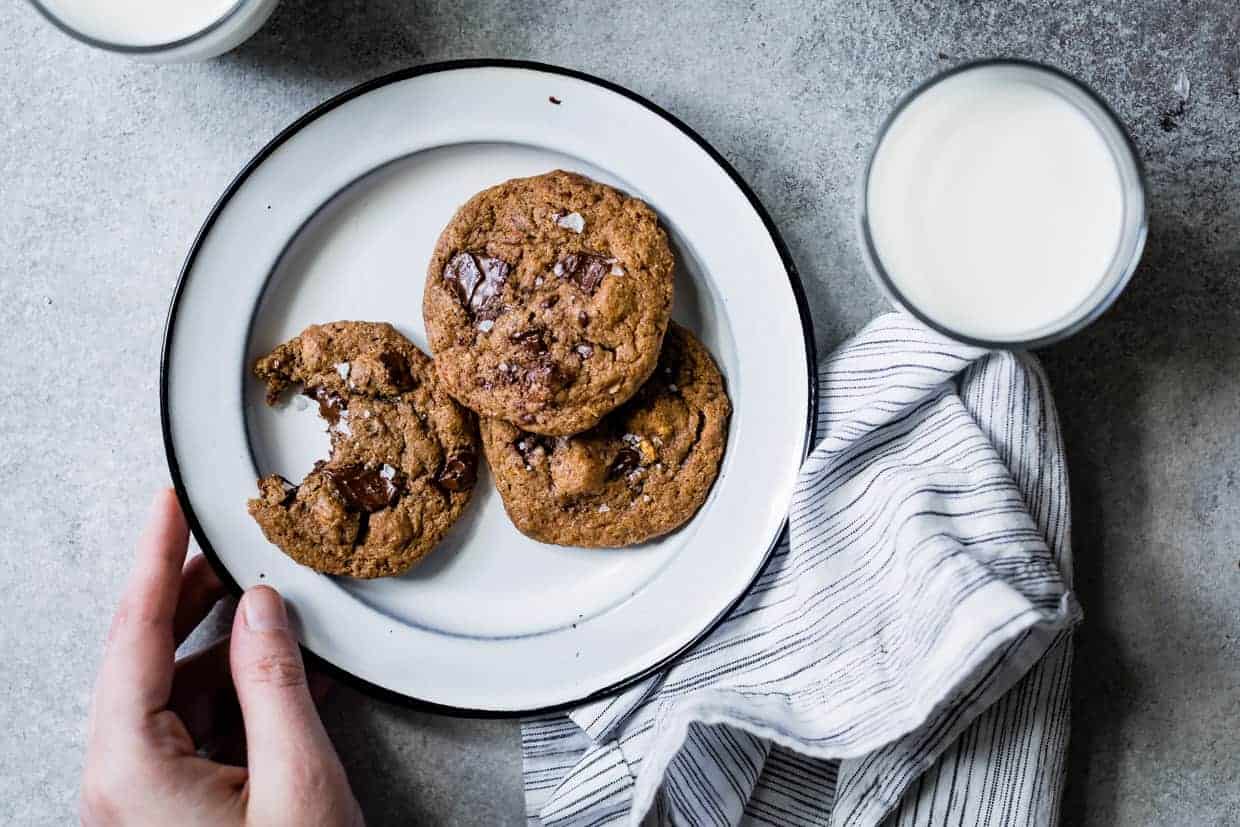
x=404, y=454
x=641, y=472
x=546, y=301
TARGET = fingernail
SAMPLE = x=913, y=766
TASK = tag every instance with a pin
x=264, y=610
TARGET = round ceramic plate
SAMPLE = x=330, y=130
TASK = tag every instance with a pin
x=336, y=219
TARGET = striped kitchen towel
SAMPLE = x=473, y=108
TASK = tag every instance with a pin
x=904, y=656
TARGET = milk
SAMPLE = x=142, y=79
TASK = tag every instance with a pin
x=139, y=22
x=996, y=206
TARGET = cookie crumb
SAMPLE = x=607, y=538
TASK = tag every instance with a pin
x=554, y=100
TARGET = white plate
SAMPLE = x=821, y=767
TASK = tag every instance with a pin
x=335, y=219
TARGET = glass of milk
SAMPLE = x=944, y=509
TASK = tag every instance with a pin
x=1004, y=204
x=159, y=31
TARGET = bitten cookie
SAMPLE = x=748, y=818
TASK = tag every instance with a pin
x=642, y=472
x=546, y=301
x=404, y=454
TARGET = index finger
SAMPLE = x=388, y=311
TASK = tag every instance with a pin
x=136, y=676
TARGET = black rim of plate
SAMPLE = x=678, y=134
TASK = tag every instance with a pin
x=314, y=660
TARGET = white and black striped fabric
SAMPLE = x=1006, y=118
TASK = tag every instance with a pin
x=904, y=656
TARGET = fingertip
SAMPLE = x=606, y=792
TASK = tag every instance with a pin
x=262, y=610
x=166, y=529
x=165, y=504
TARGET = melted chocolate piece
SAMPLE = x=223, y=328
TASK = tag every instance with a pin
x=550, y=302
x=626, y=460
x=477, y=280
x=397, y=370
x=363, y=489
x=585, y=269
x=459, y=472
x=462, y=275
x=531, y=342
x=331, y=404
x=583, y=318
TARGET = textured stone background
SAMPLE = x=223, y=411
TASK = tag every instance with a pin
x=110, y=166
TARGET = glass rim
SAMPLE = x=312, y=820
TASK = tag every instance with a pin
x=1123, y=264
x=130, y=49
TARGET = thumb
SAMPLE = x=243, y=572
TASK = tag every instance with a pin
x=285, y=740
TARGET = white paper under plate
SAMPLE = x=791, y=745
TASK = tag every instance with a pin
x=336, y=220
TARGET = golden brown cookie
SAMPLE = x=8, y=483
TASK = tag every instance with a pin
x=404, y=454
x=640, y=473
x=547, y=299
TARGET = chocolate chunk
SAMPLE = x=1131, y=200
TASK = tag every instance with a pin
x=583, y=318
x=397, y=370
x=477, y=280
x=550, y=302
x=531, y=342
x=459, y=472
x=462, y=274
x=362, y=488
x=626, y=460
x=586, y=270
x=331, y=404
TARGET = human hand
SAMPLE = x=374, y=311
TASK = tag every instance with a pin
x=150, y=713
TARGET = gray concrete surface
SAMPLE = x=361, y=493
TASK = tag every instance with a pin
x=110, y=166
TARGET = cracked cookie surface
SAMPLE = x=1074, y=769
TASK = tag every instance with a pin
x=640, y=473
x=404, y=453
x=547, y=299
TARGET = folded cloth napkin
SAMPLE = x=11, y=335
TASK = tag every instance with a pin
x=905, y=652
